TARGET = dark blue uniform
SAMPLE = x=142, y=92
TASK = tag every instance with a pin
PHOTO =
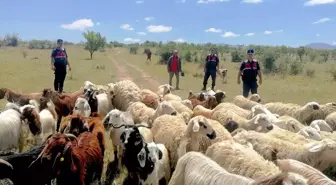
x=60, y=62
x=249, y=71
x=210, y=70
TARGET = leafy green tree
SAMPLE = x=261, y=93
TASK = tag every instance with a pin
x=269, y=62
x=301, y=52
x=325, y=55
x=12, y=40
x=94, y=41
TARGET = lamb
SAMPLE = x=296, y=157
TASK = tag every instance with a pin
x=176, y=135
x=171, y=96
x=250, y=163
x=321, y=125
x=140, y=112
x=209, y=103
x=331, y=120
x=240, y=111
x=260, y=122
x=164, y=89
x=162, y=167
x=149, y=98
x=200, y=110
x=194, y=168
x=314, y=176
x=245, y=103
x=125, y=93
x=99, y=101
x=221, y=135
x=12, y=132
x=301, y=113
x=323, y=112
x=300, y=137
x=317, y=154
x=82, y=107
x=219, y=95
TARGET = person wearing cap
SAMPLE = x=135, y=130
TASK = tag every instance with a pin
x=174, y=67
x=249, y=70
x=210, y=69
x=59, y=61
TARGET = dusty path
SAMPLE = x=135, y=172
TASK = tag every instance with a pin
x=124, y=68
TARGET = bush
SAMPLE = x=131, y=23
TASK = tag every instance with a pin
x=269, y=62
x=133, y=50
x=236, y=56
x=12, y=40
x=310, y=72
x=41, y=44
x=164, y=56
x=296, y=68
x=332, y=71
x=187, y=56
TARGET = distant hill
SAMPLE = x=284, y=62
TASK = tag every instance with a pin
x=320, y=46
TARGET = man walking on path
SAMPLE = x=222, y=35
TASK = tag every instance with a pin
x=59, y=61
x=210, y=69
x=249, y=70
x=174, y=67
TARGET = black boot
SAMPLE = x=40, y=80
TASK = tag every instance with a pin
x=213, y=87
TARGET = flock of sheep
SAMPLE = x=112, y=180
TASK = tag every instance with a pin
x=161, y=138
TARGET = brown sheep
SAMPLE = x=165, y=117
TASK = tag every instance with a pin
x=21, y=99
x=210, y=103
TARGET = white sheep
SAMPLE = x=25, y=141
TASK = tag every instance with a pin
x=260, y=122
x=194, y=168
x=171, y=96
x=180, y=107
x=331, y=120
x=323, y=112
x=90, y=85
x=164, y=89
x=162, y=166
x=12, y=136
x=310, y=133
x=173, y=132
x=187, y=103
x=318, y=154
x=240, y=111
x=301, y=113
x=125, y=93
x=104, y=104
x=82, y=107
x=300, y=137
x=245, y=103
x=149, y=98
x=314, y=176
x=321, y=125
x=140, y=112
x=250, y=163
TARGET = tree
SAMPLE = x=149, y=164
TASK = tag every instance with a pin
x=301, y=52
x=12, y=40
x=94, y=41
x=269, y=62
x=325, y=55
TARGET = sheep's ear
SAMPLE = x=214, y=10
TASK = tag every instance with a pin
x=142, y=157
x=315, y=126
x=304, y=133
x=160, y=154
x=196, y=126
x=315, y=147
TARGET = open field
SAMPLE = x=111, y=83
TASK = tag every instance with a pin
x=32, y=73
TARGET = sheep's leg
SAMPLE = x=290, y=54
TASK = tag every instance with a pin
x=112, y=170
x=58, y=122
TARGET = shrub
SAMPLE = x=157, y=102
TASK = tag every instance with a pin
x=187, y=56
x=296, y=68
x=310, y=72
x=133, y=50
x=269, y=62
x=12, y=40
x=236, y=56
x=332, y=71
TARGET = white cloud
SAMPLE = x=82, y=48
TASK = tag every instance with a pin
x=267, y=32
x=159, y=28
x=333, y=43
x=323, y=20
x=80, y=24
x=139, y=2
x=229, y=34
x=149, y=18
x=181, y=1
x=250, y=34
x=318, y=2
x=131, y=40
x=98, y=23
x=126, y=27
x=141, y=33
x=214, y=30
x=317, y=35
x=210, y=1
x=179, y=40
x=252, y=1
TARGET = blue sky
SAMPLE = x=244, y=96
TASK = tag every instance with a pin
x=267, y=22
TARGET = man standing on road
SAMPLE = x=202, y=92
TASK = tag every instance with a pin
x=174, y=67
x=59, y=61
x=249, y=69
x=210, y=69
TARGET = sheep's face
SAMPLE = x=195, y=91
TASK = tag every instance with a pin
x=322, y=126
x=255, y=97
x=313, y=106
x=47, y=93
x=30, y=113
x=77, y=126
x=202, y=126
x=82, y=107
x=166, y=107
x=220, y=97
x=264, y=121
x=326, y=147
x=166, y=89
x=187, y=103
x=212, y=102
x=148, y=156
x=131, y=137
x=310, y=133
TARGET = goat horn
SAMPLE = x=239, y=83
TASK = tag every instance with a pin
x=71, y=136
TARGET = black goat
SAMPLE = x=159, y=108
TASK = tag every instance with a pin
x=22, y=173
